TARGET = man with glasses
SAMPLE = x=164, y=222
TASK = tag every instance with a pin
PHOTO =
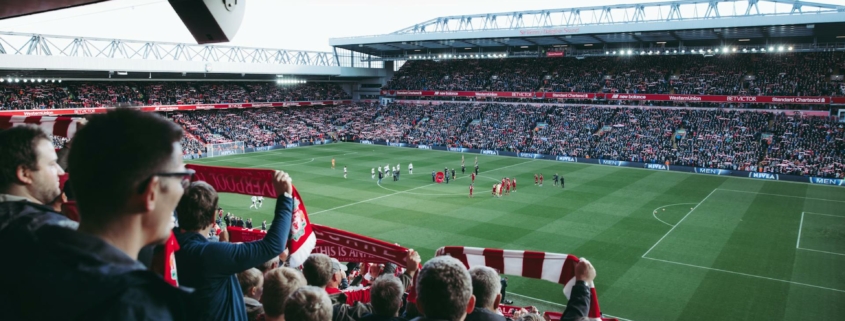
x=128, y=176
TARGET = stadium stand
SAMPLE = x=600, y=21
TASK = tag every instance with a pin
x=102, y=94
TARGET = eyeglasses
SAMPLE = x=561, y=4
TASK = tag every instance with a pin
x=186, y=178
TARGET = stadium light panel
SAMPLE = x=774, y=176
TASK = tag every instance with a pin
x=780, y=48
x=753, y=49
x=683, y=51
x=39, y=79
x=840, y=37
x=607, y=52
x=60, y=81
x=9, y=79
x=630, y=51
x=790, y=48
x=734, y=49
x=771, y=48
x=17, y=80
x=744, y=50
x=25, y=80
x=724, y=49
x=2, y=80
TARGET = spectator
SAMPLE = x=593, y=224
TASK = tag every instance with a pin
x=29, y=169
x=320, y=271
x=578, y=306
x=386, y=295
x=269, y=265
x=278, y=285
x=486, y=288
x=252, y=285
x=308, y=303
x=93, y=273
x=444, y=290
x=210, y=267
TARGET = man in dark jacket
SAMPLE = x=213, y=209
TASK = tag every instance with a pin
x=578, y=306
x=485, y=288
x=211, y=267
x=386, y=298
x=504, y=292
x=128, y=174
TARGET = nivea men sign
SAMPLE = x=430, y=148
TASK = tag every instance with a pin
x=827, y=181
x=657, y=166
x=712, y=171
x=423, y=147
x=489, y=152
x=457, y=149
x=367, y=142
x=292, y=145
x=769, y=176
x=567, y=159
x=610, y=162
x=530, y=155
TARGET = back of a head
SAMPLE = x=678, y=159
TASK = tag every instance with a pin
x=317, y=269
x=249, y=279
x=444, y=289
x=386, y=295
x=278, y=285
x=308, y=303
x=196, y=207
x=19, y=147
x=485, y=285
x=115, y=155
x=534, y=317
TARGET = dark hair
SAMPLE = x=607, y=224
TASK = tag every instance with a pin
x=17, y=145
x=114, y=155
x=317, y=269
x=196, y=207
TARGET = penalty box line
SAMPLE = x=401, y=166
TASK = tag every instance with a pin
x=679, y=222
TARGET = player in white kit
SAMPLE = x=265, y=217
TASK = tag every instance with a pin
x=373, y=173
x=344, y=171
x=254, y=201
x=260, y=201
x=410, y=168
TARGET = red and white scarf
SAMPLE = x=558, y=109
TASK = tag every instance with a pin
x=56, y=126
x=552, y=267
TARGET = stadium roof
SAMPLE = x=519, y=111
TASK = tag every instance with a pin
x=675, y=24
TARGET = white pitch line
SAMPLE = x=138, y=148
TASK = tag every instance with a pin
x=654, y=212
x=405, y=191
x=822, y=214
x=679, y=222
x=820, y=251
x=561, y=305
x=800, y=225
x=746, y=274
x=782, y=195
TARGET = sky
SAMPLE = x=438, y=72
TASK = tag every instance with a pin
x=279, y=24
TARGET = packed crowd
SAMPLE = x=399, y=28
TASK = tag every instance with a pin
x=791, y=74
x=715, y=138
x=139, y=216
x=71, y=94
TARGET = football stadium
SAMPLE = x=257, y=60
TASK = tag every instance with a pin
x=675, y=160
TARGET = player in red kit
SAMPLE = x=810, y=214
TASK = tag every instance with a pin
x=494, y=190
x=470, y=190
x=507, y=186
x=514, y=184
x=541, y=179
x=473, y=176
x=536, y=179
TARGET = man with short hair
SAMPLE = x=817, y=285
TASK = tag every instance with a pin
x=444, y=290
x=128, y=176
x=308, y=303
x=278, y=285
x=386, y=297
x=486, y=289
x=252, y=285
x=210, y=267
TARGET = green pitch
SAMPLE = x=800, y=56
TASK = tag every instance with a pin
x=666, y=245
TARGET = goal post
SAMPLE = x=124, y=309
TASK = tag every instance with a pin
x=223, y=149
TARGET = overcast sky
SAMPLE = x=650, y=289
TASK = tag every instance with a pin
x=288, y=24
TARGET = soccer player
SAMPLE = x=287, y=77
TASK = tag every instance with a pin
x=453, y=173
x=260, y=201
x=472, y=175
x=445, y=171
x=433, y=175
x=380, y=176
x=373, y=173
x=398, y=167
x=332, y=162
x=476, y=161
x=470, y=190
x=476, y=169
x=447, y=177
x=536, y=180
x=344, y=172
x=507, y=186
x=501, y=188
x=555, y=179
x=541, y=179
x=561, y=181
x=494, y=189
x=514, y=184
x=411, y=168
x=462, y=159
x=463, y=169
x=379, y=169
x=254, y=201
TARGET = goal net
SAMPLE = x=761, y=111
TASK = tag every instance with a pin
x=223, y=149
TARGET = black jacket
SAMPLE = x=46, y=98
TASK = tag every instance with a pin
x=375, y=317
x=58, y=273
x=482, y=314
x=579, y=302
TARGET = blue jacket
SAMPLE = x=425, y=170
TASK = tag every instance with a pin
x=54, y=272
x=210, y=267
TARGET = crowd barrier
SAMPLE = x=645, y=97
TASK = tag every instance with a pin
x=621, y=163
